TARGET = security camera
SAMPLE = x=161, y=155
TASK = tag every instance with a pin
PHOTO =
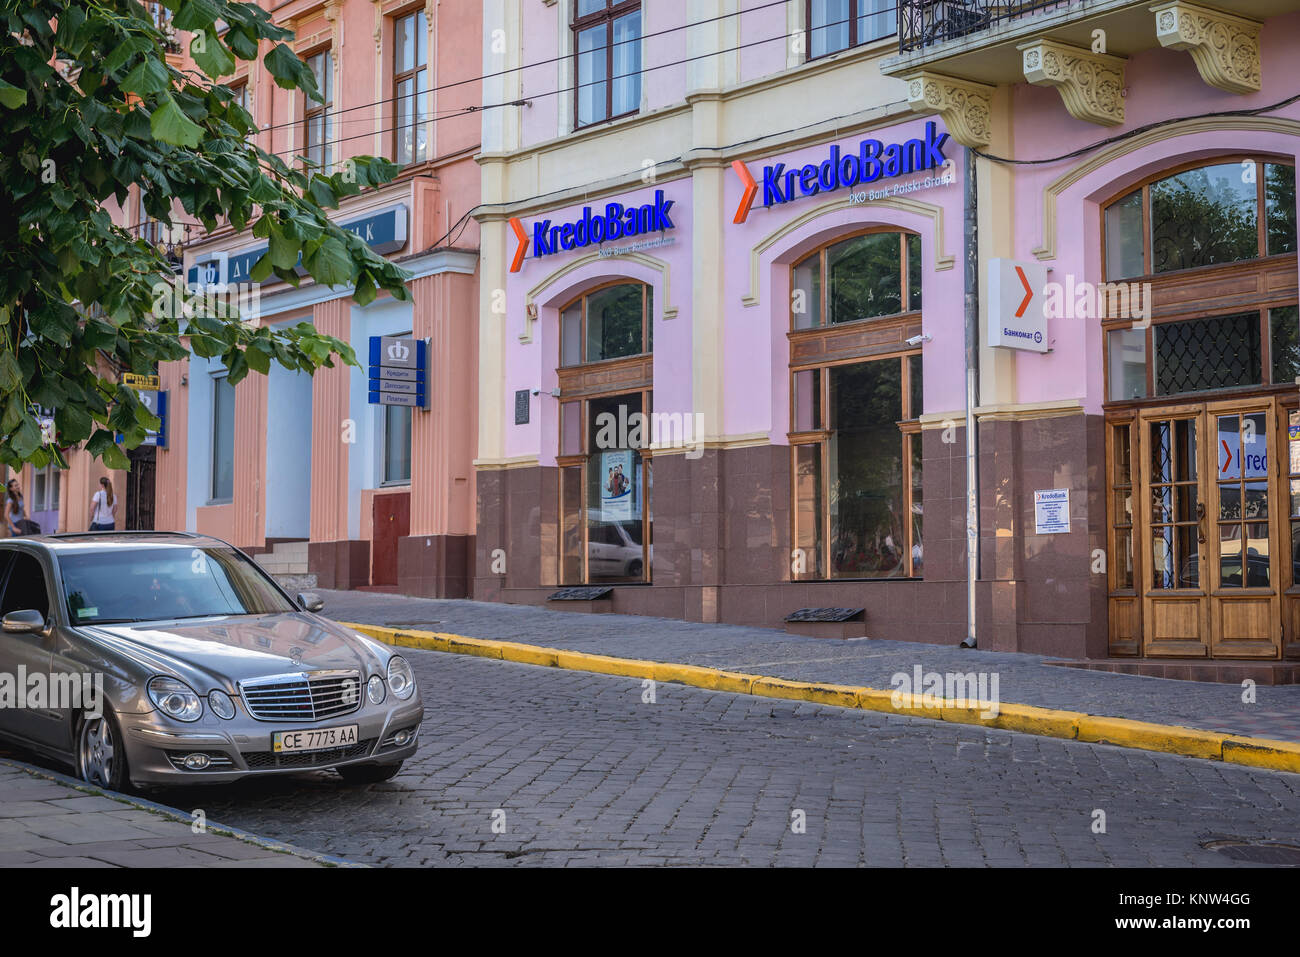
x=917, y=340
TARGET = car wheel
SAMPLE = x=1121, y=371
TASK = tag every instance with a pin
x=634, y=568
x=368, y=773
x=101, y=754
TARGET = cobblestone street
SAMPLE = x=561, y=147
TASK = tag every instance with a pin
x=578, y=769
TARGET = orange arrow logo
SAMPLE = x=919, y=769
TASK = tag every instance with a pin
x=522, y=250
x=1029, y=293
x=751, y=189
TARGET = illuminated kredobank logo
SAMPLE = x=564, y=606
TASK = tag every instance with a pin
x=593, y=228
x=398, y=352
x=873, y=161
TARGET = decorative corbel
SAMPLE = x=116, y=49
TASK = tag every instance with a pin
x=1224, y=47
x=965, y=107
x=1090, y=84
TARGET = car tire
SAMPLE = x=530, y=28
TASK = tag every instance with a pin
x=634, y=568
x=101, y=753
x=368, y=773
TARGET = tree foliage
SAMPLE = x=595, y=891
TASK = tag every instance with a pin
x=89, y=107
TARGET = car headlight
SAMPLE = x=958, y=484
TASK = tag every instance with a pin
x=221, y=704
x=175, y=699
x=400, y=677
x=375, y=690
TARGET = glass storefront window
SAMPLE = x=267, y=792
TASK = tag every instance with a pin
x=807, y=400
x=397, y=444
x=613, y=322
x=223, y=439
x=1124, y=237
x=1284, y=331
x=1279, y=201
x=1127, y=349
x=1205, y=216
x=615, y=493
x=864, y=455
x=862, y=277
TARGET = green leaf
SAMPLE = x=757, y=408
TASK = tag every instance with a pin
x=284, y=250
x=290, y=72
x=10, y=375
x=115, y=458
x=28, y=437
x=212, y=56
x=330, y=263
x=149, y=78
x=12, y=96
x=169, y=125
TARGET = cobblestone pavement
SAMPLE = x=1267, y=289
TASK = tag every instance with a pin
x=1023, y=679
x=580, y=769
x=49, y=823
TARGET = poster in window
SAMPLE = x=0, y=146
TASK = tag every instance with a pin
x=619, y=497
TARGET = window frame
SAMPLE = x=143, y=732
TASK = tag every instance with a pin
x=855, y=14
x=1205, y=306
x=904, y=273
x=647, y=319
x=612, y=10
x=219, y=378
x=398, y=78
x=1145, y=184
x=312, y=110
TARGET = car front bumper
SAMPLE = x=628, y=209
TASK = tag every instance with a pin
x=241, y=747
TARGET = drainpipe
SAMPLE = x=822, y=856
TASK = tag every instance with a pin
x=970, y=210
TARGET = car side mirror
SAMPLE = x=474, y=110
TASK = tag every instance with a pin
x=24, y=622
x=310, y=601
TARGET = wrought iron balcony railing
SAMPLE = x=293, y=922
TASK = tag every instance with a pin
x=924, y=23
x=170, y=239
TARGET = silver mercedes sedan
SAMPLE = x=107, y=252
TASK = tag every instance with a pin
x=163, y=658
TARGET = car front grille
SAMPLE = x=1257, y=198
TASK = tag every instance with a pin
x=303, y=697
x=263, y=760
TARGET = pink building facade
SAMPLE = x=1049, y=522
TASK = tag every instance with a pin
x=307, y=472
x=794, y=351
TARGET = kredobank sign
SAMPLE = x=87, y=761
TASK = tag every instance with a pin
x=592, y=228
x=873, y=161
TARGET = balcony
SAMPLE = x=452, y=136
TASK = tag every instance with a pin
x=169, y=239
x=959, y=51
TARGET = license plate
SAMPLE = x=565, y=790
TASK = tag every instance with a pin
x=314, y=739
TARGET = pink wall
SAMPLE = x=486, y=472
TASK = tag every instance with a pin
x=1162, y=84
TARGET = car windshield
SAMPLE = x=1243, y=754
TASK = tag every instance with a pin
x=143, y=583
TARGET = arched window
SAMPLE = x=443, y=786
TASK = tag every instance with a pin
x=1202, y=216
x=868, y=276
x=611, y=322
x=855, y=408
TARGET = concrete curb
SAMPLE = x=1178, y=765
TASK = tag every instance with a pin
x=1027, y=719
x=162, y=810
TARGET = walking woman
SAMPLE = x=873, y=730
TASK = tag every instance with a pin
x=103, y=508
x=16, y=513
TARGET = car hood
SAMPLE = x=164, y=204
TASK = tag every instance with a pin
x=221, y=651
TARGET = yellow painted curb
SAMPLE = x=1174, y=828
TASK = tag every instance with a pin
x=1026, y=719
x=1152, y=737
x=1262, y=753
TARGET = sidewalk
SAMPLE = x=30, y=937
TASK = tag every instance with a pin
x=1023, y=679
x=49, y=820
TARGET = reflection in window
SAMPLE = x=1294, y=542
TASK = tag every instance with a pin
x=1128, y=364
x=608, y=59
x=1202, y=217
x=610, y=323
x=835, y=25
x=862, y=277
x=857, y=490
x=1284, y=331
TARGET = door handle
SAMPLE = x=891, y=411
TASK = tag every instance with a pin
x=1200, y=522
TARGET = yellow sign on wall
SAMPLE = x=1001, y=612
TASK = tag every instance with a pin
x=136, y=381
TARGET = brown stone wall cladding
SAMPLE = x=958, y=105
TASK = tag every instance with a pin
x=344, y=564
x=722, y=542
x=435, y=566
